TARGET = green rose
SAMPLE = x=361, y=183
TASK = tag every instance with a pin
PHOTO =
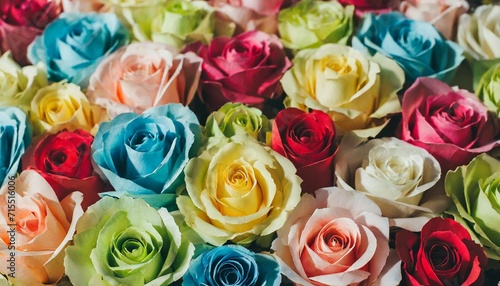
x=19, y=85
x=475, y=191
x=310, y=24
x=237, y=119
x=488, y=89
x=126, y=242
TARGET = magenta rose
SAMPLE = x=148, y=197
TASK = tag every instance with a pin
x=246, y=69
x=21, y=21
x=442, y=254
x=452, y=125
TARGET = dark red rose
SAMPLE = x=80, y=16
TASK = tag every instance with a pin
x=64, y=160
x=443, y=254
x=308, y=141
x=453, y=125
x=246, y=69
x=21, y=21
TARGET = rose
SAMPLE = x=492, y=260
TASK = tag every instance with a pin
x=246, y=69
x=488, y=88
x=145, y=155
x=21, y=21
x=237, y=119
x=127, y=242
x=336, y=238
x=371, y=6
x=478, y=34
x=183, y=22
x=19, y=85
x=15, y=137
x=399, y=177
x=86, y=6
x=143, y=75
x=356, y=91
x=310, y=24
x=232, y=265
x=443, y=15
x=473, y=189
x=63, y=160
x=73, y=45
x=42, y=228
x=249, y=14
x=308, y=141
x=238, y=190
x=452, y=125
x=416, y=46
x=443, y=254
x=62, y=105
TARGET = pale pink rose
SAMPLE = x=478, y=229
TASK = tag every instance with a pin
x=84, y=6
x=250, y=15
x=336, y=238
x=443, y=14
x=143, y=75
x=43, y=227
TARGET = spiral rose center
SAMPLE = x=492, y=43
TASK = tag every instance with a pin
x=442, y=257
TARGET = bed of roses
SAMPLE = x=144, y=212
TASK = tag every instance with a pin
x=249, y=142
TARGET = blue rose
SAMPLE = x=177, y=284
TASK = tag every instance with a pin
x=415, y=45
x=73, y=45
x=144, y=155
x=232, y=265
x=15, y=137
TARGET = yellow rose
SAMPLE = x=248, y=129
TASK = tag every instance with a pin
x=358, y=92
x=238, y=190
x=63, y=105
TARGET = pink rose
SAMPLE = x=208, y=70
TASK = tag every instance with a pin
x=442, y=14
x=143, y=75
x=250, y=14
x=42, y=225
x=246, y=69
x=337, y=238
x=452, y=125
x=21, y=21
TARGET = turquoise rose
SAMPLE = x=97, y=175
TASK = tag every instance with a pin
x=144, y=155
x=73, y=45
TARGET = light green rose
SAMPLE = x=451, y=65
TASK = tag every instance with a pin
x=238, y=190
x=488, y=89
x=19, y=85
x=310, y=24
x=126, y=242
x=475, y=191
x=358, y=92
x=237, y=119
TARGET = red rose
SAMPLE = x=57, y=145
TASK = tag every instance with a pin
x=443, y=254
x=452, y=125
x=21, y=21
x=246, y=69
x=308, y=141
x=63, y=159
x=374, y=6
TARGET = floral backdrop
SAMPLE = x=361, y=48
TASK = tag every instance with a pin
x=249, y=142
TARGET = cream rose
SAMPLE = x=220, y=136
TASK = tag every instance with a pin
x=337, y=237
x=19, y=85
x=399, y=177
x=143, y=75
x=238, y=190
x=42, y=226
x=356, y=91
x=443, y=15
x=62, y=105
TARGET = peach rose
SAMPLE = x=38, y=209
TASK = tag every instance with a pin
x=35, y=228
x=143, y=75
x=85, y=6
x=443, y=14
x=337, y=238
